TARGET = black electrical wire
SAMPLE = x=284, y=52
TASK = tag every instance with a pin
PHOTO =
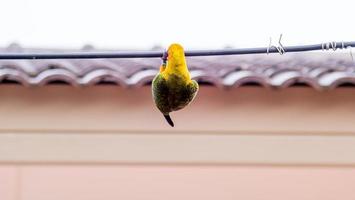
x=159, y=54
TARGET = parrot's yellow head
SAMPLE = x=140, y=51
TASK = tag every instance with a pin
x=176, y=63
x=176, y=54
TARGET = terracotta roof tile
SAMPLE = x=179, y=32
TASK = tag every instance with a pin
x=322, y=70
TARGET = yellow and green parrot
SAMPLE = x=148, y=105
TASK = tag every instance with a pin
x=172, y=87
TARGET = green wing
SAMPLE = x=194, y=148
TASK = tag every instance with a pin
x=186, y=95
x=193, y=87
x=172, y=98
x=160, y=92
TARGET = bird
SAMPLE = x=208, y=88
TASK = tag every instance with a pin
x=172, y=88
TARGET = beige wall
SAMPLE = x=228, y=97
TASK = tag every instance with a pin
x=113, y=109
x=175, y=182
x=105, y=142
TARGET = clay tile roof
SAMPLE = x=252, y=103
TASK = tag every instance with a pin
x=322, y=70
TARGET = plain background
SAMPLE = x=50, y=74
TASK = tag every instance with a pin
x=142, y=24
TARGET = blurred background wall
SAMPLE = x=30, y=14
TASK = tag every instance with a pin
x=105, y=142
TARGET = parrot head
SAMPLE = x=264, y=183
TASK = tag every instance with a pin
x=176, y=55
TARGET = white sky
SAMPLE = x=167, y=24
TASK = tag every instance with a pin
x=195, y=23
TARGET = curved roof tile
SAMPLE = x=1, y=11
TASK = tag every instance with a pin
x=320, y=70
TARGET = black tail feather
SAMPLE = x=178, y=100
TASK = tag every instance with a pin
x=169, y=120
